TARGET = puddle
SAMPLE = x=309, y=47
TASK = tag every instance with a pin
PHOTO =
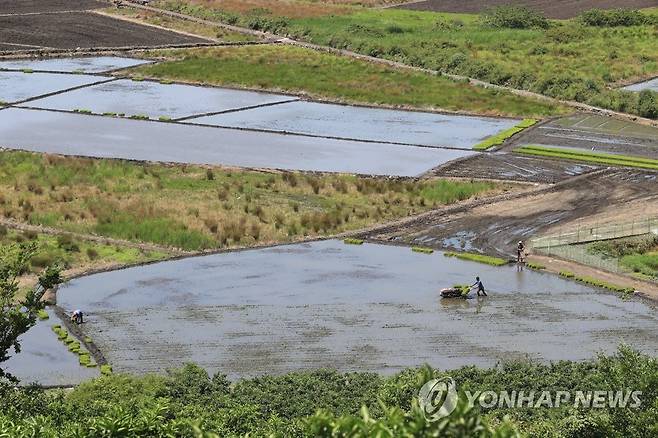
x=99, y=64
x=366, y=124
x=327, y=304
x=155, y=100
x=46, y=360
x=106, y=137
x=648, y=85
x=19, y=86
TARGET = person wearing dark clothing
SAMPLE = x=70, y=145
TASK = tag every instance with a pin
x=480, y=286
x=520, y=252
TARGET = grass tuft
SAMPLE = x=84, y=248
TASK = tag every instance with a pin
x=352, y=241
x=480, y=258
x=42, y=315
x=422, y=250
x=106, y=369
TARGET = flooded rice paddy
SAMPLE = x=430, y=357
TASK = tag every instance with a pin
x=45, y=360
x=19, y=86
x=156, y=100
x=647, y=85
x=366, y=124
x=108, y=137
x=327, y=304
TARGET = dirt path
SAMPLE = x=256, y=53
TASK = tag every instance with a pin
x=495, y=226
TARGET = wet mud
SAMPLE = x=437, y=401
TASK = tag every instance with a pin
x=326, y=304
x=495, y=228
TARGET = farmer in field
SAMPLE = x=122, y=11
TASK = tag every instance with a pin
x=520, y=251
x=479, y=285
x=76, y=317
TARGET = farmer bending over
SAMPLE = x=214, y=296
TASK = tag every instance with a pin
x=76, y=317
x=479, y=285
x=520, y=251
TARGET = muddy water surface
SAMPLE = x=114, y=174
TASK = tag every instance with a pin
x=19, y=86
x=96, y=64
x=46, y=360
x=156, y=100
x=107, y=137
x=327, y=304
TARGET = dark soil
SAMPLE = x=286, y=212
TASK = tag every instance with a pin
x=512, y=167
x=494, y=228
x=35, y=6
x=551, y=8
x=83, y=30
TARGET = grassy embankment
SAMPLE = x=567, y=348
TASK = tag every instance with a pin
x=637, y=254
x=324, y=403
x=195, y=207
x=499, y=139
x=568, y=59
x=589, y=157
x=326, y=76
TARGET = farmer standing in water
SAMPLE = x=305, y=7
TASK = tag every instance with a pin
x=479, y=285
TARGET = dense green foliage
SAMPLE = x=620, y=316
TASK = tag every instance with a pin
x=330, y=404
x=616, y=17
x=514, y=17
x=589, y=157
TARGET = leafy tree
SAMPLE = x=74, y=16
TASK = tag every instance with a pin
x=17, y=318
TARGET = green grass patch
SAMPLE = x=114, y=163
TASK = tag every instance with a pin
x=139, y=117
x=42, y=315
x=326, y=76
x=422, y=250
x=597, y=283
x=500, y=138
x=27, y=70
x=106, y=370
x=589, y=157
x=164, y=119
x=480, y=258
x=535, y=266
x=82, y=111
x=352, y=241
x=567, y=274
x=199, y=207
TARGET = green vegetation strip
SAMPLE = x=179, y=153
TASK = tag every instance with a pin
x=597, y=283
x=325, y=403
x=500, y=138
x=351, y=241
x=42, y=315
x=589, y=157
x=74, y=346
x=535, y=266
x=327, y=76
x=480, y=258
x=422, y=250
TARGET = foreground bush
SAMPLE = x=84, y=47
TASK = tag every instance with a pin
x=514, y=17
x=188, y=402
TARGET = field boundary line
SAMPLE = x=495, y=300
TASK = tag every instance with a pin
x=233, y=110
x=54, y=93
x=395, y=64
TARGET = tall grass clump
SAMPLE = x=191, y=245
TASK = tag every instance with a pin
x=513, y=17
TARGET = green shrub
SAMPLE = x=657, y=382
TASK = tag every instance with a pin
x=615, y=18
x=513, y=17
